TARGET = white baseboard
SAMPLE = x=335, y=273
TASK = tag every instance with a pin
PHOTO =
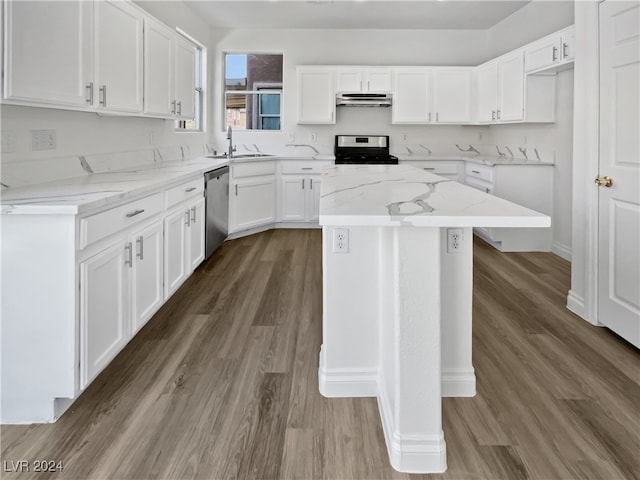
x=561, y=250
x=575, y=303
x=271, y=226
x=411, y=453
x=346, y=382
x=458, y=383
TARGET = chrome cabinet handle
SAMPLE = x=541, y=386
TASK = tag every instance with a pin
x=475, y=171
x=487, y=190
x=173, y=107
x=368, y=85
x=193, y=214
x=103, y=90
x=498, y=114
x=303, y=183
x=428, y=168
x=190, y=189
x=564, y=50
x=493, y=114
x=90, y=88
x=128, y=260
x=188, y=219
x=135, y=212
x=554, y=54
x=311, y=184
x=437, y=117
x=429, y=117
x=180, y=108
x=236, y=189
x=140, y=242
x=307, y=168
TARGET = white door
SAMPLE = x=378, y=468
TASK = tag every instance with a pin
x=158, y=68
x=411, y=98
x=316, y=96
x=486, y=92
x=118, y=40
x=147, y=273
x=103, y=318
x=196, y=234
x=175, y=256
x=254, y=202
x=619, y=205
x=511, y=88
x=48, y=52
x=314, y=194
x=292, y=198
x=452, y=96
x=185, y=78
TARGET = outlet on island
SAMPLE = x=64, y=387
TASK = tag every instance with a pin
x=341, y=240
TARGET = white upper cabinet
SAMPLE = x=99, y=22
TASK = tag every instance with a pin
x=486, y=92
x=48, y=52
x=452, y=95
x=118, y=42
x=185, y=77
x=363, y=80
x=158, y=68
x=411, y=96
x=511, y=87
x=552, y=53
x=316, y=95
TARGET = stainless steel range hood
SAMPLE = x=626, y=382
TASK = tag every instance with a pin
x=363, y=100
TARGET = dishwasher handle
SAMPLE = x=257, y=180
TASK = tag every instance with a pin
x=211, y=174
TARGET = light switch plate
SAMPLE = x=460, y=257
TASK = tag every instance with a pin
x=43, y=139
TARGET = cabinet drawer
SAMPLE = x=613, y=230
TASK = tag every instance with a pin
x=103, y=224
x=439, y=168
x=181, y=192
x=303, y=168
x=482, y=172
x=253, y=169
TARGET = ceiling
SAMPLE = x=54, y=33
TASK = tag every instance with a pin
x=375, y=14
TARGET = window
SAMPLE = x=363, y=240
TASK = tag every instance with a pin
x=198, y=123
x=253, y=91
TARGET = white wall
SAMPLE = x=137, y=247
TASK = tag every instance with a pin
x=86, y=133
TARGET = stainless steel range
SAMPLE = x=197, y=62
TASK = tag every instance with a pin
x=363, y=150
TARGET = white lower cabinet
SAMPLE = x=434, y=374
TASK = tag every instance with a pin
x=183, y=244
x=147, y=273
x=252, y=195
x=450, y=169
x=299, y=198
x=103, y=309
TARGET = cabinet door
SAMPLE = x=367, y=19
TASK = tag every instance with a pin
x=542, y=54
x=196, y=233
x=158, y=68
x=411, y=99
x=349, y=80
x=378, y=80
x=486, y=92
x=511, y=88
x=314, y=195
x=48, y=52
x=185, y=78
x=175, y=257
x=567, y=51
x=316, y=96
x=118, y=40
x=103, y=318
x=147, y=274
x=452, y=96
x=292, y=198
x=253, y=202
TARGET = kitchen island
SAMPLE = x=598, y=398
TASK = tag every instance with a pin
x=397, y=296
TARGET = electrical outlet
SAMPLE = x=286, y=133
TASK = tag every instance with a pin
x=8, y=142
x=340, y=240
x=454, y=240
x=314, y=136
x=291, y=137
x=404, y=137
x=43, y=139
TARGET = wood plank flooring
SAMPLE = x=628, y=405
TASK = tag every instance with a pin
x=222, y=383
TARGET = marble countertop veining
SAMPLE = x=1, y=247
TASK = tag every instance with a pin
x=473, y=158
x=403, y=195
x=95, y=191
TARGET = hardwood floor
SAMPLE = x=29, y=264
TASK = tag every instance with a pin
x=222, y=383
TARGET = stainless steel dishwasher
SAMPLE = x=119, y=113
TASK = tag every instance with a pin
x=216, y=183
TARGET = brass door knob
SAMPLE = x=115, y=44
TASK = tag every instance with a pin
x=604, y=181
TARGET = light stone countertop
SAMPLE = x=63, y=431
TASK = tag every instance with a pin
x=403, y=195
x=473, y=158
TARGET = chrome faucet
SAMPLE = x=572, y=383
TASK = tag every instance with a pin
x=303, y=145
x=230, y=138
x=470, y=149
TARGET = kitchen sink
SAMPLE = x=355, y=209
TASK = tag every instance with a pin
x=244, y=155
